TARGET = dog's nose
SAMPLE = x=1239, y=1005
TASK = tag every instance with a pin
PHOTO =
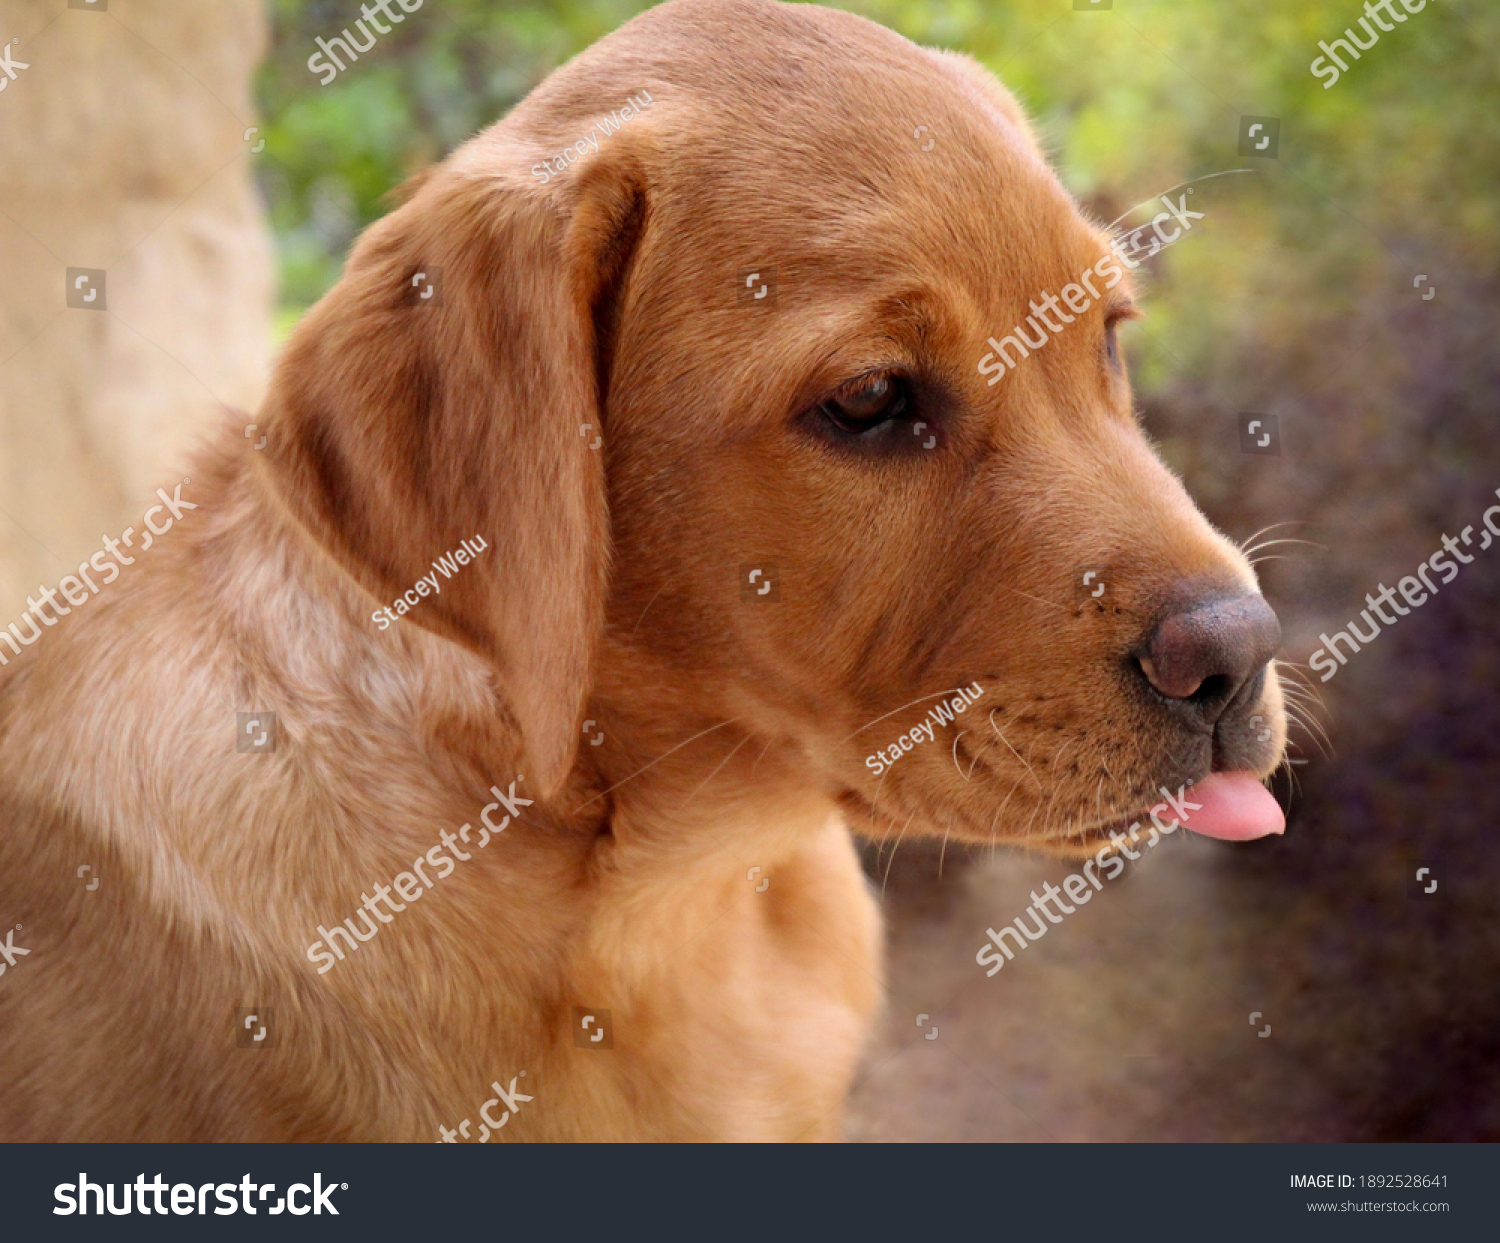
x=1203, y=655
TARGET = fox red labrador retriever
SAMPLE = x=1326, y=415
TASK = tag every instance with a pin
x=628, y=507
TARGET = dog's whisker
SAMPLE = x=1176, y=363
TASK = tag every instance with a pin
x=1026, y=832
x=1012, y=750
x=1295, y=780
x=1030, y=820
x=875, y=803
x=770, y=742
x=1057, y=790
x=1305, y=717
x=1309, y=705
x=1051, y=604
x=988, y=743
x=956, y=768
x=1318, y=734
x=885, y=880
x=1294, y=716
x=1301, y=694
x=715, y=772
x=654, y=763
x=977, y=755
x=1298, y=680
x=1292, y=664
x=1273, y=543
x=902, y=708
x=1180, y=186
x=1288, y=522
x=890, y=817
x=645, y=610
x=1291, y=771
x=1314, y=730
x=1294, y=690
x=995, y=819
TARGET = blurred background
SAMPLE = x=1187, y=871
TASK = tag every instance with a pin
x=1344, y=283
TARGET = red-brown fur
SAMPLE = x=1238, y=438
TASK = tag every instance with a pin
x=734, y=732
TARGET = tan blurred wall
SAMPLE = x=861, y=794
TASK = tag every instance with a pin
x=121, y=148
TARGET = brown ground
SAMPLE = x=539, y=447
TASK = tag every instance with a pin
x=1128, y=1021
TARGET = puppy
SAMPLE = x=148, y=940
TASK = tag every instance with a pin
x=688, y=357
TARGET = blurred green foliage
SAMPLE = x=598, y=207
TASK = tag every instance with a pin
x=441, y=75
x=1402, y=152
x=1293, y=296
x=1131, y=101
x=1397, y=161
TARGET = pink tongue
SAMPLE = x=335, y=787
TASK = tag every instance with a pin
x=1235, y=808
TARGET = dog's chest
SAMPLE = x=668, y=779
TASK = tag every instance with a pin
x=743, y=994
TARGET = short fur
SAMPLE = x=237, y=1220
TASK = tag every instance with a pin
x=601, y=302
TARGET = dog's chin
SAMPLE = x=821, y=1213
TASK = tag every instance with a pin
x=1234, y=811
x=950, y=823
x=1087, y=841
x=1062, y=842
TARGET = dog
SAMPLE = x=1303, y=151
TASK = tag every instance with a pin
x=706, y=412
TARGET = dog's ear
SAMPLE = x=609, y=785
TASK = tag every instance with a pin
x=450, y=388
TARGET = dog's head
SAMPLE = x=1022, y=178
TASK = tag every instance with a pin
x=700, y=340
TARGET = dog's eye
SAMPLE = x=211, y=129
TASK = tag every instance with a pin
x=864, y=405
x=1116, y=317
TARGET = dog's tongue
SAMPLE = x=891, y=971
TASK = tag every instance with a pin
x=1235, y=808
